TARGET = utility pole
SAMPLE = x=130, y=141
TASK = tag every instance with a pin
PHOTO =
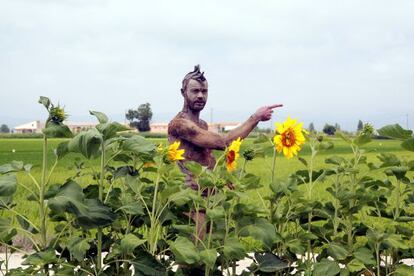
x=407, y=121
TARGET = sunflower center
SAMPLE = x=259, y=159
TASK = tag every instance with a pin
x=288, y=138
x=230, y=157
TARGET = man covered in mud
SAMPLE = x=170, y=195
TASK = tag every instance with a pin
x=197, y=141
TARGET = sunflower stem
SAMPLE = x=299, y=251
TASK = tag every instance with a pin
x=101, y=184
x=42, y=209
x=272, y=203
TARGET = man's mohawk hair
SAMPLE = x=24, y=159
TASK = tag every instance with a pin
x=194, y=75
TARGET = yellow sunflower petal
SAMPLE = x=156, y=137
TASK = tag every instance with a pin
x=290, y=137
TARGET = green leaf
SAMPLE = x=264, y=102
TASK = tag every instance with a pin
x=261, y=230
x=269, y=262
x=89, y=213
x=233, y=249
x=138, y=145
x=109, y=130
x=250, y=181
x=7, y=232
x=57, y=130
x=396, y=241
x=45, y=101
x=102, y=118
x=362, y=139
x=365, y=255
x=14, y=166
x=146, y=265
x=395, y=131
x=8, y=184
x=398, y=172
x=208, y=257
x=343, y=136
x=404, y=270
x=27, y=168
x=355, y=265
x=41, y=258
x=296, y=246
x=338, y=252
x=326, y=268
x=216, y=213
x=325, y=146
x=405, y=219
x=97, y=215
x=344, y=272
x=194, y=167
x=130, y=242
x=336, y=160
x=388, y=159
x=23, y=221
x=184, y=251
x=88, y=143
x=182, y=197
x=78, y=247
x=408, y=144
x=62, y=150
x=261, y=138
x=131, y=207
x=303, y=161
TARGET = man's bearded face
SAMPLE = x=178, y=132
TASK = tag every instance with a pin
x=196, y=95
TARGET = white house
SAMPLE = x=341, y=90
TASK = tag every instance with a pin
x=37, y=126
x=76, y=127
x=32, y=127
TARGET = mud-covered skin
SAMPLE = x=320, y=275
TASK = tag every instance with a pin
x=197, y=141
x=177, y=128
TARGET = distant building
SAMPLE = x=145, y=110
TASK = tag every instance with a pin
x=32, y=127
x=223, y=126
x=215, y=127
x=159, y=127
x=37, y=126
x=76, y=127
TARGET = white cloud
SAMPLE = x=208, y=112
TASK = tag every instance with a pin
x=317, y=57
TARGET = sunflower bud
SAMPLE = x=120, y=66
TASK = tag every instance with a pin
x=319, y=138
x=249, y=154
x=57, y=114
x=368, y=129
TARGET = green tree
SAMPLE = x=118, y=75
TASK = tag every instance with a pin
x=4, y=128
x=337, y=127
x=140, y=118
x=311, y=128
x=360, y=126
x=329, y=129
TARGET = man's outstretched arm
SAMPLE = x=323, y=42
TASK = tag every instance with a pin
x=188, y=130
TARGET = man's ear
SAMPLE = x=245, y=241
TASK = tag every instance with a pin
x=182, y=92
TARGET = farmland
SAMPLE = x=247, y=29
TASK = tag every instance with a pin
x=30, y=151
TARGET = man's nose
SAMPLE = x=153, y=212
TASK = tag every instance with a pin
x=200, y=95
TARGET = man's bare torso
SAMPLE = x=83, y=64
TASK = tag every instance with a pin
x=193, y=152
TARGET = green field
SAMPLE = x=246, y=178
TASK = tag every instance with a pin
x=30, y=151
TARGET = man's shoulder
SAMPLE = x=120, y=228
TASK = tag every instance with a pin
x=203, y=124
x=178, y=119
x=178, y=124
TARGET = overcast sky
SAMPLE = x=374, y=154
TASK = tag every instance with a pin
x=326, y=61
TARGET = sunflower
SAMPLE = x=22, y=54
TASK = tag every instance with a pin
x=160, y=147
x=148, y=165
x=57, y=114
x=233, y=154
x=289, y=137
x=175, y=154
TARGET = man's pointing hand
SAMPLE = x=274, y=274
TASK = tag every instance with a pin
x=265, y=113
